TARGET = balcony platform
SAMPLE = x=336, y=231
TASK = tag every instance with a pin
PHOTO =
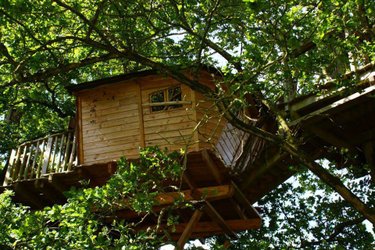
x=221, y=207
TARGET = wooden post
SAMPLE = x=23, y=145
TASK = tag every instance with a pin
x=216, y=217
x=33, y=170
x=40, y=163
x=8, y=175
x=21, y=163
x=69, y=141
x=189, y=229
x=27, y=164
x=47, y=155
x=72, y=153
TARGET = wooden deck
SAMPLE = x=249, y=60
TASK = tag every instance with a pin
x=341, y=119
x=221, y=207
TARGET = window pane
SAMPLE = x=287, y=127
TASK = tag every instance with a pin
x=174, y=94
x=157, y=96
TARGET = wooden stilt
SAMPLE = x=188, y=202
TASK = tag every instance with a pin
x=241, y=198
x=189, y=229
x=216, y=217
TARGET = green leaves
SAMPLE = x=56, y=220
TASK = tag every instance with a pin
x=84, y=221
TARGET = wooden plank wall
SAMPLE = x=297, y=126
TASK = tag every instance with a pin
x=115, y=120
x=172, y=128
x=110, y=122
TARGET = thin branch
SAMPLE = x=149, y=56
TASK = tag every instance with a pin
x=338, y=230
x=95, y=18
x=91, y=25
x=4, y=51
x=45, y=74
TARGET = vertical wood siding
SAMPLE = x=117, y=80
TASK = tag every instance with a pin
x=172, y=128
x=110, y=122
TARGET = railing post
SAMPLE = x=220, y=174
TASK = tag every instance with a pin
x=54, y=152
x=33, y=170
x=72, y=154
x=47, y=155
x=29, y=153
x=67, y=152
x=8, y=175
x=22, y=162
x=40, y=162
x=60, y=152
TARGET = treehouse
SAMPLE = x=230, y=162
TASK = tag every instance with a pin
x=118, y=115
x=226, y=170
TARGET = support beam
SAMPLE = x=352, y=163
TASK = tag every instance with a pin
x=330, y=137
x=212, y=166
x=208, y=228
x=241, y=198
x=56, y=183
x=188, y=229
x=25, y=194
x=334, y=107
x=216, y=217
x=206, y=193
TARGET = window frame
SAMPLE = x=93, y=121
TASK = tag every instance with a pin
x=176, y=104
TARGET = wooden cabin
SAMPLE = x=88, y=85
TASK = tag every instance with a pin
x=118, y=115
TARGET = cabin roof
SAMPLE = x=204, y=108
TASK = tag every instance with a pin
x=73, y=88
x=109, y=80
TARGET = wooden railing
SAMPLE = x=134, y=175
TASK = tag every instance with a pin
x=34, y=159
x=230, y=145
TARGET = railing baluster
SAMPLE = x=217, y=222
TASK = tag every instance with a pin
x=72, y=154
x=8, y=175
x=22, y=162
x=47, y=155
x=59, y=158
x=30, y=155
x=67, y=148
x=54, y=153
x=41, y=160
x=37, y=150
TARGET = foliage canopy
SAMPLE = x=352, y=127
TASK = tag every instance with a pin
x=272, y=51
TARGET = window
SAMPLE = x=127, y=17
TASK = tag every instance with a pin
x=165, y=98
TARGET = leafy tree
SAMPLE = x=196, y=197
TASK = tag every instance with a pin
x=87, y=221
x=303, y=213
x=272, y=51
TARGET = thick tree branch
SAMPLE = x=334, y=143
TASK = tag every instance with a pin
x=4, y=51
x=91, y=25
x=95, y=18
x=176, y=74
x=45, y=74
